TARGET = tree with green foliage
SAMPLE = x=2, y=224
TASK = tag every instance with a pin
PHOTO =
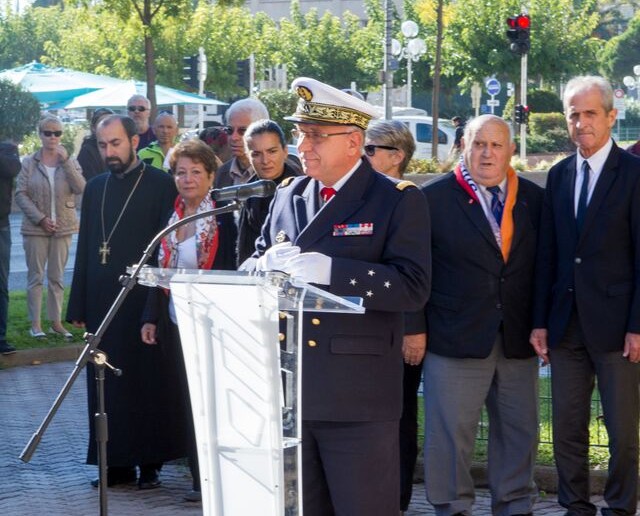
x=477, y=46
x=621, y=53
x=539, y=101
x=148, y=12
x=321, y=47
x=20, y=112
x=227, y=35
x=280, y=104
x=24, y=37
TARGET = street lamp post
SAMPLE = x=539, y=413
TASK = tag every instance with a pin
x=414, y=49
x=633, y=83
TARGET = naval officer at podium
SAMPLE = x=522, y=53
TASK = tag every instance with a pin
x=354, y=232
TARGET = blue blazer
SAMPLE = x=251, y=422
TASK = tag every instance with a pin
x=352, y=364
x=598, y=270
x=474, y=291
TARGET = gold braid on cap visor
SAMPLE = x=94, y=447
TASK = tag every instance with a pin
x=327, y=113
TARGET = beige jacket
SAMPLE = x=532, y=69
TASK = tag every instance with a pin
x=33, y=195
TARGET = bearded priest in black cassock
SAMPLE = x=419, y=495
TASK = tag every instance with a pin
x=122, y=210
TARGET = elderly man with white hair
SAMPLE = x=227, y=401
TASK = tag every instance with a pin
x=477, y=324
x=139, y=108
x=587, y=310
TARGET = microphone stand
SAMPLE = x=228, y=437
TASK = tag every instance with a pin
x=99, y=358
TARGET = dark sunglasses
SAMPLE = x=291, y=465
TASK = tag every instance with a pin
x=139, y=109
x=229, y=130
x=370, y=150
x=57, y=134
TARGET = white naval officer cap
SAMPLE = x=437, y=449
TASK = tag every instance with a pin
x=320, y=103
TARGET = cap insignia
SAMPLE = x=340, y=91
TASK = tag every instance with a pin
x=304, y=93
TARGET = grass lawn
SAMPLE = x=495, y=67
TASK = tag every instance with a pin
x=18, y=324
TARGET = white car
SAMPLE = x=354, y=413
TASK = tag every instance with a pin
x=422, y=129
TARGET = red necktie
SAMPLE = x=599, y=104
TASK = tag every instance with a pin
x=327, y=193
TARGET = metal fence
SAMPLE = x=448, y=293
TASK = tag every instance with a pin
x=626, y=134
x=597, y=431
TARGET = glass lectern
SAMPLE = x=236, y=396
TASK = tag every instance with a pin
x=241, y=333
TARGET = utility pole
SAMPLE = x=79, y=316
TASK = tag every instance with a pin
x=519, y=35
x=387, y=74
x=202, y=77
x=435, y=98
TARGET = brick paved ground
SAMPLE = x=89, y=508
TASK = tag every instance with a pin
x=56, y=481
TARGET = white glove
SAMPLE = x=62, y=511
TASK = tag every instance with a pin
x=310, y=268
x=275, y=257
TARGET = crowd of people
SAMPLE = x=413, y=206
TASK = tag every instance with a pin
x=468, y=283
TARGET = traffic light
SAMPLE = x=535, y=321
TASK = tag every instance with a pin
x=522, y=114
x=243, y=73
x=518, y=33
x=190, y=69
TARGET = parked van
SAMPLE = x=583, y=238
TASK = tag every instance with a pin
x=422, y=129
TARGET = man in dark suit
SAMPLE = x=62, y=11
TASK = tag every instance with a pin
x=477, y=321
x=587, y=302
x=354, y=232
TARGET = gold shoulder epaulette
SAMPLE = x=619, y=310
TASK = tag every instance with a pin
x=405, y=184
x=286, y=181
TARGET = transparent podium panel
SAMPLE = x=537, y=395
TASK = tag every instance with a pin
x=240, y=334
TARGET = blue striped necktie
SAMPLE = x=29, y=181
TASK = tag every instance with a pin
x=497, y=205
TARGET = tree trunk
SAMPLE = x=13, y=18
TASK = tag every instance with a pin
x=149, y=58
x=150, y=67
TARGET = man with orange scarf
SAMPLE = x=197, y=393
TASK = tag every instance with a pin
x=477, y=324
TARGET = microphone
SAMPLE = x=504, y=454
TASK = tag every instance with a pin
x=239, y=193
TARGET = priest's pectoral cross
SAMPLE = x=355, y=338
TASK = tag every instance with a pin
x=104, y=251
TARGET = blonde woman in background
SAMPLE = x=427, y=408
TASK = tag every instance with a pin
x=46, y=188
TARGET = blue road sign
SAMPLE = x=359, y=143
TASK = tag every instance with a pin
x=493, y=86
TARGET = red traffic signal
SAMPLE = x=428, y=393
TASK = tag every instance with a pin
x=518, y=33
x=523, y=22
x=520, y=22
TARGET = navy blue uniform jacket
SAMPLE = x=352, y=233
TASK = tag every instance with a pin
x=354, y=371
x=599, y=269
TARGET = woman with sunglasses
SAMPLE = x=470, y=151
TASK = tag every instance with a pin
x=46, y=189
x=389, y=145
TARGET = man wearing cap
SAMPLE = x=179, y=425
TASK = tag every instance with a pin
x=353, y=232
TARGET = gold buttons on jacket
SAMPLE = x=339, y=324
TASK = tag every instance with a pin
x=312, y=343
x=281, y=337
x=315, y=321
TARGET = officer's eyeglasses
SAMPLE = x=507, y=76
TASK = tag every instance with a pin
x=315, y=138
x=139, y=109
x=57, y=134
x=370, y=150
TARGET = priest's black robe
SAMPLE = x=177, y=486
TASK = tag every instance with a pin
x=145, y=411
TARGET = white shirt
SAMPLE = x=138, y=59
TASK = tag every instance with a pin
x=596, y=164
x=485, y=201
x=51, y=172
x=340, y=183
x=187, y=259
